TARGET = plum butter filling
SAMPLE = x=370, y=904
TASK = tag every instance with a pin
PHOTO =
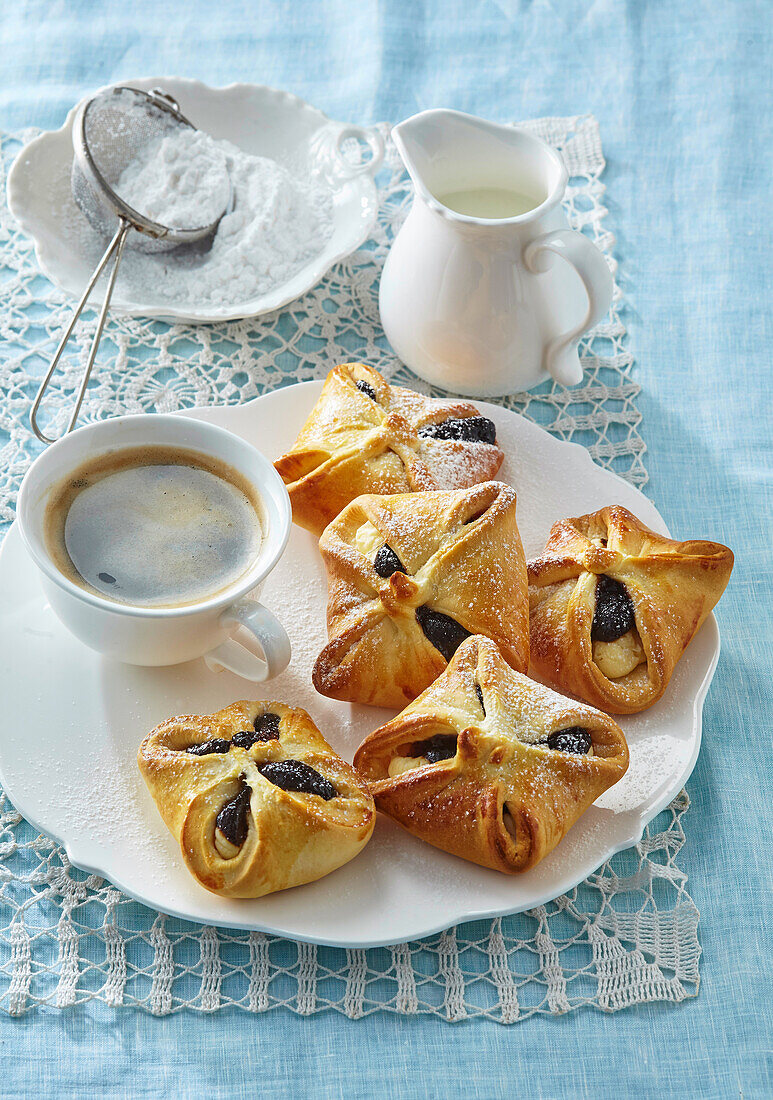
x=231, y=824
x=366, y=388
x=386, y=562
x=614, y=612
x=617, y=647
x=445, y=633
x=442, y=746
x=295, y=775
x=574, y=739
x=471, y=429
x=216, y=744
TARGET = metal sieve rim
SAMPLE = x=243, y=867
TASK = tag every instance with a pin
x=100, y=186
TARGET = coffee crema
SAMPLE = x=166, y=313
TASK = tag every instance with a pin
x=154, y=526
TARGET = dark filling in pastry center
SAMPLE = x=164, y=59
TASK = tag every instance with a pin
x=217, y=744
x=266, y=727
x=386, y=562
x=232, y=819
x=440, y=747
x=366, y=388
x=575, y=739
x=294, y=775
x=445, y=633
x=614, y=614
x=479, y=693
x=471, y=429
x=245, y=739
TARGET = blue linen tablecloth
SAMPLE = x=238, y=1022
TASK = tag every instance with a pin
x=683, y=95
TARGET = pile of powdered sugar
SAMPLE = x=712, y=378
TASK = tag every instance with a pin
x=273, y=227
x=180, y=179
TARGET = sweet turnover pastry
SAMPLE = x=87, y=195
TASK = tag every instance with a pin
x=366, y=436
x=614, y=606
x=410, y=577
x=489, y=765
x=256, y=797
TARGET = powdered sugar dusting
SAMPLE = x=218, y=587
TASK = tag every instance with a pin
x=454, y=466
x=653, y=761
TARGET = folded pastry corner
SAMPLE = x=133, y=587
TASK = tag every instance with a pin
x=489, y=765
x=256, y=797
x=613, y=606
x=366, y=436
x=410, y=577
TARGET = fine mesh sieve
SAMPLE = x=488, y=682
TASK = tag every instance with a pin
x=109, y=132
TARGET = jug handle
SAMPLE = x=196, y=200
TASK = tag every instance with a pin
x=561, y=358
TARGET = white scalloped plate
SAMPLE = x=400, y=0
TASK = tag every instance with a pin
x=259, y=120
x=72, y=722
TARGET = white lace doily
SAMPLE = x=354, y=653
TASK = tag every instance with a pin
x=625, y=936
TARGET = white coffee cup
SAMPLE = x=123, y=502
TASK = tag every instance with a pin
x=165, y=635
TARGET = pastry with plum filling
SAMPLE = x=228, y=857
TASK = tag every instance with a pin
x=489, y=765
x=613, y=606
x=410, y=577
x=257, y=798
x=366, y=436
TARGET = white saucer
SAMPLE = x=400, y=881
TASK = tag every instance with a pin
x=72, y=723
x=260, y=120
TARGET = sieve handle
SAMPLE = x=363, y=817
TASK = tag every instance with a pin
x=115, y=248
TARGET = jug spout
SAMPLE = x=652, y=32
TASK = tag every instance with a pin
x=421, y=141
x=446, y=152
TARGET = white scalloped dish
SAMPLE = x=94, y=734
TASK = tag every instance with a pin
x=72, y=722
x=260, y=120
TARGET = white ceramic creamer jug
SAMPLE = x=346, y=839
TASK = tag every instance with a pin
x=488, y=305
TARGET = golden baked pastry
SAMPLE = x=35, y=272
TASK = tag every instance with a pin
x=256, y=797
x=490, y=766
x=366, y=436
x=410, y=577
x=614, y=606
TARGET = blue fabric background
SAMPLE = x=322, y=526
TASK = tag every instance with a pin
x=682, y=89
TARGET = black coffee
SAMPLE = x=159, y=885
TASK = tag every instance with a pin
x=154, y=526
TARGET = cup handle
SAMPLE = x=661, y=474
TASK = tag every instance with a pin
x=268, y=633
x=561, y=358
